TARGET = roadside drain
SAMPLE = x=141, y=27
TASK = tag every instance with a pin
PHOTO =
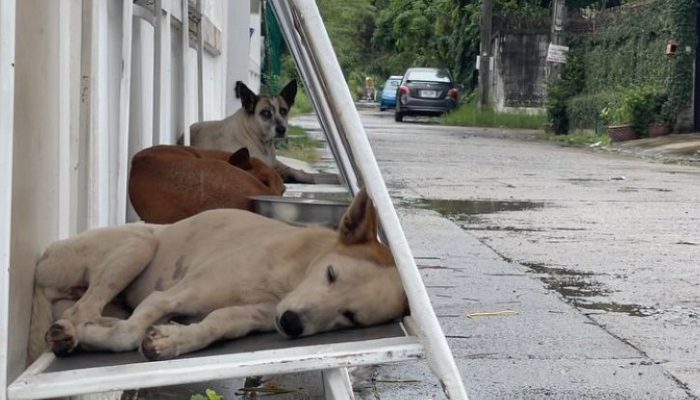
x=577, y=288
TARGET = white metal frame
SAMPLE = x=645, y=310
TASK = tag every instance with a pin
x=315, y=57
x=32, y=384
x=304, y=16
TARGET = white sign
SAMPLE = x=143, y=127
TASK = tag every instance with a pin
x=557, y=53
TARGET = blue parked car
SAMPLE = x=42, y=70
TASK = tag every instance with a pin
x=389, y=92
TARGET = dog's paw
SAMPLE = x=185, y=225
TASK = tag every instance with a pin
x=62, y=338
x=159, y=343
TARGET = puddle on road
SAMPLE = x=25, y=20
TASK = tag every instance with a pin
x=466, y=210
x=576, y=288
x=634, y=310
x=570, y=283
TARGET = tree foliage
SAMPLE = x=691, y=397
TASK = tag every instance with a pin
x=385, y=37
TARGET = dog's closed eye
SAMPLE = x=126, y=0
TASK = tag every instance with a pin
x=330, y=274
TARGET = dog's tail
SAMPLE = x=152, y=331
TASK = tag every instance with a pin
x=42, y=318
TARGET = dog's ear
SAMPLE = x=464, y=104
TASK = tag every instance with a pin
x=289, y=93
x=248, y=98
x=241, y=159
x=359, y=224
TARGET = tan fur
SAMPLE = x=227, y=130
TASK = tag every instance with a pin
x=234, y=270
x=253, y=128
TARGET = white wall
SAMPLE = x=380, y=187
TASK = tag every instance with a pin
x=7, y=84
x=66, y=147
x=255, y=51
x=238, y=50
x=35, y=155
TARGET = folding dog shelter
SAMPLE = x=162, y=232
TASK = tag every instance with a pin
x=418, y=336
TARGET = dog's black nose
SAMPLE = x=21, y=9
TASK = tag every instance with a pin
x=291, y=324
x=280, y=129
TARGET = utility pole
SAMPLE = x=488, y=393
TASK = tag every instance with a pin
x=485, y=53
x=553, y=70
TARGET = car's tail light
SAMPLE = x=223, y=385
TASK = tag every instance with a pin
x=404, y=91
x=453, y=94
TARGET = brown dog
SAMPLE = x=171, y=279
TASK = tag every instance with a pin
x=170, y=183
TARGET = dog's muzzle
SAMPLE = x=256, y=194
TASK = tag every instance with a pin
x=280, y=131
x=290, y=324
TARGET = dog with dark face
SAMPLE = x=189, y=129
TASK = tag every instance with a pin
x=257, y=125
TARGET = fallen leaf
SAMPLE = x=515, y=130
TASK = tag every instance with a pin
x=493, y=313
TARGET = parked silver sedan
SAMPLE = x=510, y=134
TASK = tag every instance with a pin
x=425, y=91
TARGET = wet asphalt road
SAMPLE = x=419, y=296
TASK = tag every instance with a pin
x=594, y=256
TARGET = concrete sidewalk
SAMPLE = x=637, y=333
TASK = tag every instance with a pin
x=681, y=148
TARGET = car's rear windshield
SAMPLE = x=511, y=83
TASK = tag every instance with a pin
x=392, y=83
x=428, y=75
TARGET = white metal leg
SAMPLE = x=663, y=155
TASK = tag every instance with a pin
x=337, y=385
x=308, y=68
x=308, y=21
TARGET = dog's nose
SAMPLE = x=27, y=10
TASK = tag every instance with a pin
x=291, y=324
x=280, y=129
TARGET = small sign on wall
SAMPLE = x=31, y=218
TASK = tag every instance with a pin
x=557, y=53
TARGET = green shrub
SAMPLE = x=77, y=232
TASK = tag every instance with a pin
x=571, y=83
x=556, y=106
x=584, y=111
x=469, y=114
x=643, y=104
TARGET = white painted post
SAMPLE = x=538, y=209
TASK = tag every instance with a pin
x=165, y=135
x=157, y=68
x=64, y=104
x=186, y=92
x=124, y=98
x=200, y=63
x=98, y=131
x=7, y=111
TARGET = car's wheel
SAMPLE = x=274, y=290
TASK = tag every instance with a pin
x=398, y=117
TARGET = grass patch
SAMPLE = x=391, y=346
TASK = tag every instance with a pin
x=302, y=104
x=471, y=115
x=298, y=145
x=584, y=138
